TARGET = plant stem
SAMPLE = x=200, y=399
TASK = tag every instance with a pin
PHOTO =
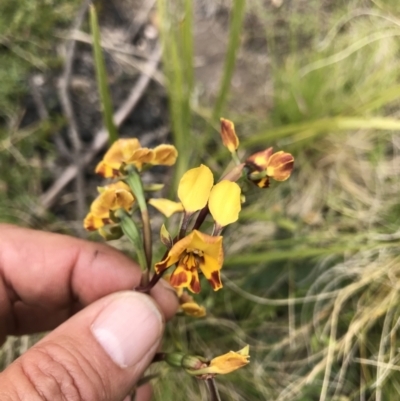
x=135, y=183
x=159, y=357
x=145, y=288
x=184, y=225
x=212, y=388
x=201, y=217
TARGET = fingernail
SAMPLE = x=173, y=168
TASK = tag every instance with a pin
x=128, y=328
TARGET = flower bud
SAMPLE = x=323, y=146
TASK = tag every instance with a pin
x=193, y=362
x=228, y=135
x=174, y=359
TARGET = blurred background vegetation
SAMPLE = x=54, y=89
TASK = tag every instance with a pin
x=312, y=268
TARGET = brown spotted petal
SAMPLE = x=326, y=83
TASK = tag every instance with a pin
x=280, y=166
x=228, y=135
x=259, y=161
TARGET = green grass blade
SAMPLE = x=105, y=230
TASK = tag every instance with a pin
x=187, y=45
x=307, y=129
x=177, y=42
x=236, y=23
x=101, y=76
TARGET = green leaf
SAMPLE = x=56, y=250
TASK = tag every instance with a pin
x=101, y=76
x=237, y=14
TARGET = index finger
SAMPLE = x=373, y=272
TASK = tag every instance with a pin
x=45, y=278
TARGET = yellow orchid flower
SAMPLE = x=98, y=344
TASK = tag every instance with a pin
x=229, y=362
x=277, y=165
x=129, y=151
x=194, y=252
x=112, y=197
x=196, y=189
x=165, y=206
x=228, y=135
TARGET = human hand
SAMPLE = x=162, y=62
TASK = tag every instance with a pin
x=102, y=341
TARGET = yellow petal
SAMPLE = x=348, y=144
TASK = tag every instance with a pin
x=112, y=197
x=229, y=362
x=209, y=245
x=194, y=188
x=141, y=156
x=106, y=170
x=92, y=223
x=123, y=199
x=121, y=150
x=224, y=202
x=166, y=206
x=245, y=351
x=211, y=270
x=228, y=135
x=180, y=277
x=165, y=155
x=114, y=186
x=193, y=309
x=101, y=206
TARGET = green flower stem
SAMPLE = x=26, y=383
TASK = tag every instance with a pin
x=235, y=158
x=135, y=183
x=212, y=388
x=131, y=231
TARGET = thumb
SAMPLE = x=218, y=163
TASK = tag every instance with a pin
x=98, y=354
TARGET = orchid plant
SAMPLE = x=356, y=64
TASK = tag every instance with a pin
x=192, y=253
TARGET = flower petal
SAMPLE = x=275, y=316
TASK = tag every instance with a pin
x=112, y=197
x=165, y=155
x=181, y=277
x=194, y=285
x=211, y=246
x=211, y=270
x=141, y=156
x=280, y=166
x=174, y=254
x=224, y=202
x=106, y=170
x=92, y=223
x=259, y=161
x=119, y=152
x=193, y=309
x=228, y=134
x=194, y=188
x=229, y=362
x=166, y=206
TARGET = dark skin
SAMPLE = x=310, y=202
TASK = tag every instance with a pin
x=45, y=280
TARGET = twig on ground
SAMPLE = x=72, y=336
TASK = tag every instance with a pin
x=66, y=105
x=101, y=137
x=44, y=115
